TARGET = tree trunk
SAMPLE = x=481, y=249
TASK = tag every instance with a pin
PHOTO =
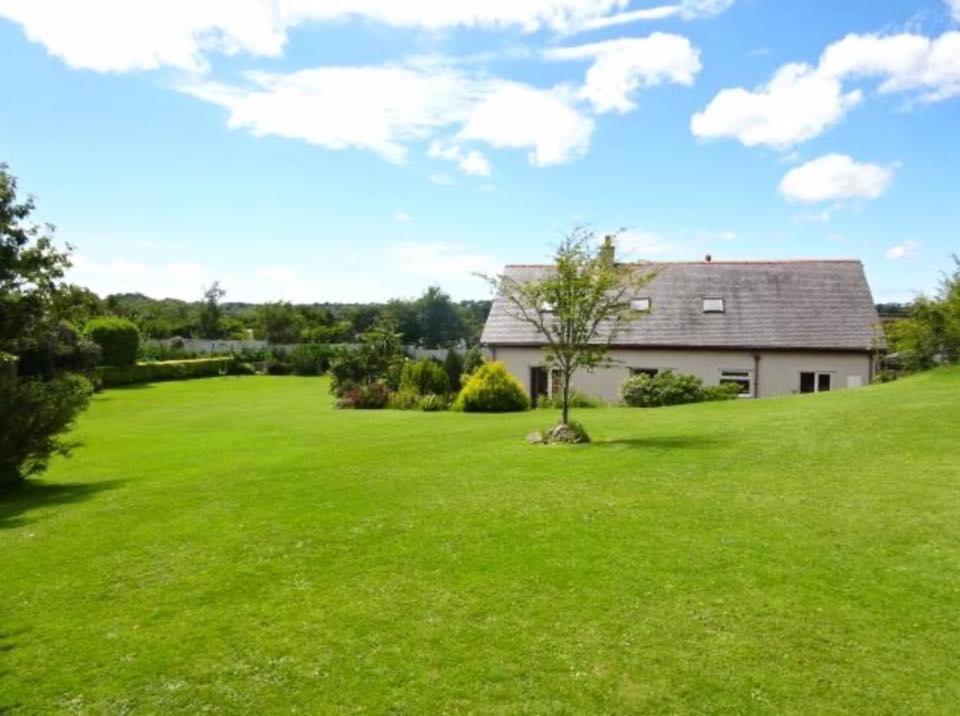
x=566, y=395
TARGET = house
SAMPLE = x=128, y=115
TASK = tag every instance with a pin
x=772, y=327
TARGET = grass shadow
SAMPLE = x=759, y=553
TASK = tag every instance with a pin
x=685, y=442
x=16, y=504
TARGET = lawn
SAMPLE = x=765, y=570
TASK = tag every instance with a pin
x=237, y=545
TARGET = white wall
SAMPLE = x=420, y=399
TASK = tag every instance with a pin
x=779, y=371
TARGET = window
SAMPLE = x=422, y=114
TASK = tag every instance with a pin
x=742, y=378
x=649, y=372
x=640, y=304
x=713, y=305
x=816, y=382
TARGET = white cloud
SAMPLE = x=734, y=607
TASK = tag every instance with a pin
x=382, y=108
x=438, y=260
x=954, y=6
x=513, y=115
x=177, y=280
x=796, y=105
x=637, y=244
x=375, y=108
x=622, y=66
x=802, y=101
x=120, y=35
x=686, y=10
x=906, y=250
x=402, y=217
x=904, y=62
x=475, y=163
x=470, y=162
x=835, y=177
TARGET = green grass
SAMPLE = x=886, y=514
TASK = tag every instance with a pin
x=236, y=545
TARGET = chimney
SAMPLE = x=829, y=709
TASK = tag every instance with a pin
x=608, y=251
x=708, y=258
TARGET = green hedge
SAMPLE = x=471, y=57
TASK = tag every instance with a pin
x=118, y=339
x=166, y=370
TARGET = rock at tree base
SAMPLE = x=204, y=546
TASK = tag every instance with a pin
x=566, y=434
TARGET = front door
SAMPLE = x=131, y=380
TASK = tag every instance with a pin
x=539, y=384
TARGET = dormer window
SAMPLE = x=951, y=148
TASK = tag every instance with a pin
x=713, y=305
x=641, y=304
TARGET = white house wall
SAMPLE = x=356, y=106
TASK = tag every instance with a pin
x=779, y=371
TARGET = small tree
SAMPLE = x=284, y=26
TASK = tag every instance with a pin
x=39, y=393
x=453, y=365
x=211, y=312
x=579, y=307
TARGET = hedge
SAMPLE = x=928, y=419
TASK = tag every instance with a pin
x=166, y=370
x=118, y=339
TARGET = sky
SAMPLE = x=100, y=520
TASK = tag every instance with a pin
x=335, y=150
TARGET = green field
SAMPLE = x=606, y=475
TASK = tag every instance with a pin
x=237, y=545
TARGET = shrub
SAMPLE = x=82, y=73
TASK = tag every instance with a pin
x=724, y=391
x=372, y=396
x=453, y=367
x=424, y=377
x=275, y=366
x=473, y=360
x=404, y=400
x=33, y=414
x=165, y=370
x=577, y=400
x=667, y=388
x=310, y=359
x=118, y=339
x=433, y=403
x=492, y=389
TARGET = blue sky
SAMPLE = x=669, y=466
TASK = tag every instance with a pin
x=298, y=150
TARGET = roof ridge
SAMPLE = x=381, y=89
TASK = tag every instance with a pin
x=721, y=261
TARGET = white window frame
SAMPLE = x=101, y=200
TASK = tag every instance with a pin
x=714, y=304
x=736, y=374
x=643, y=304
x=816, y=380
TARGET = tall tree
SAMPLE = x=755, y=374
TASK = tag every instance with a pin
x=579, y=307
x=39, y=393
x=440, y=322
x=211, y=312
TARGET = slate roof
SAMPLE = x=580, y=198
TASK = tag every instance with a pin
x=816, y=304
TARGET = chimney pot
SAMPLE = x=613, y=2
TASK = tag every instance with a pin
x=608, y=251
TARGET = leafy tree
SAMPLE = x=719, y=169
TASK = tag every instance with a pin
x=378, y=358
x=931, y=334
x=472, y=360
x=406, y=316
x=440, y=322
x=579, y=307
x=453, y=366
x=211, y=313
x=39, y=397
x=279, y=322
x=77, y=305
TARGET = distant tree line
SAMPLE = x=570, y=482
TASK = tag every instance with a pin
x=433, y=320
